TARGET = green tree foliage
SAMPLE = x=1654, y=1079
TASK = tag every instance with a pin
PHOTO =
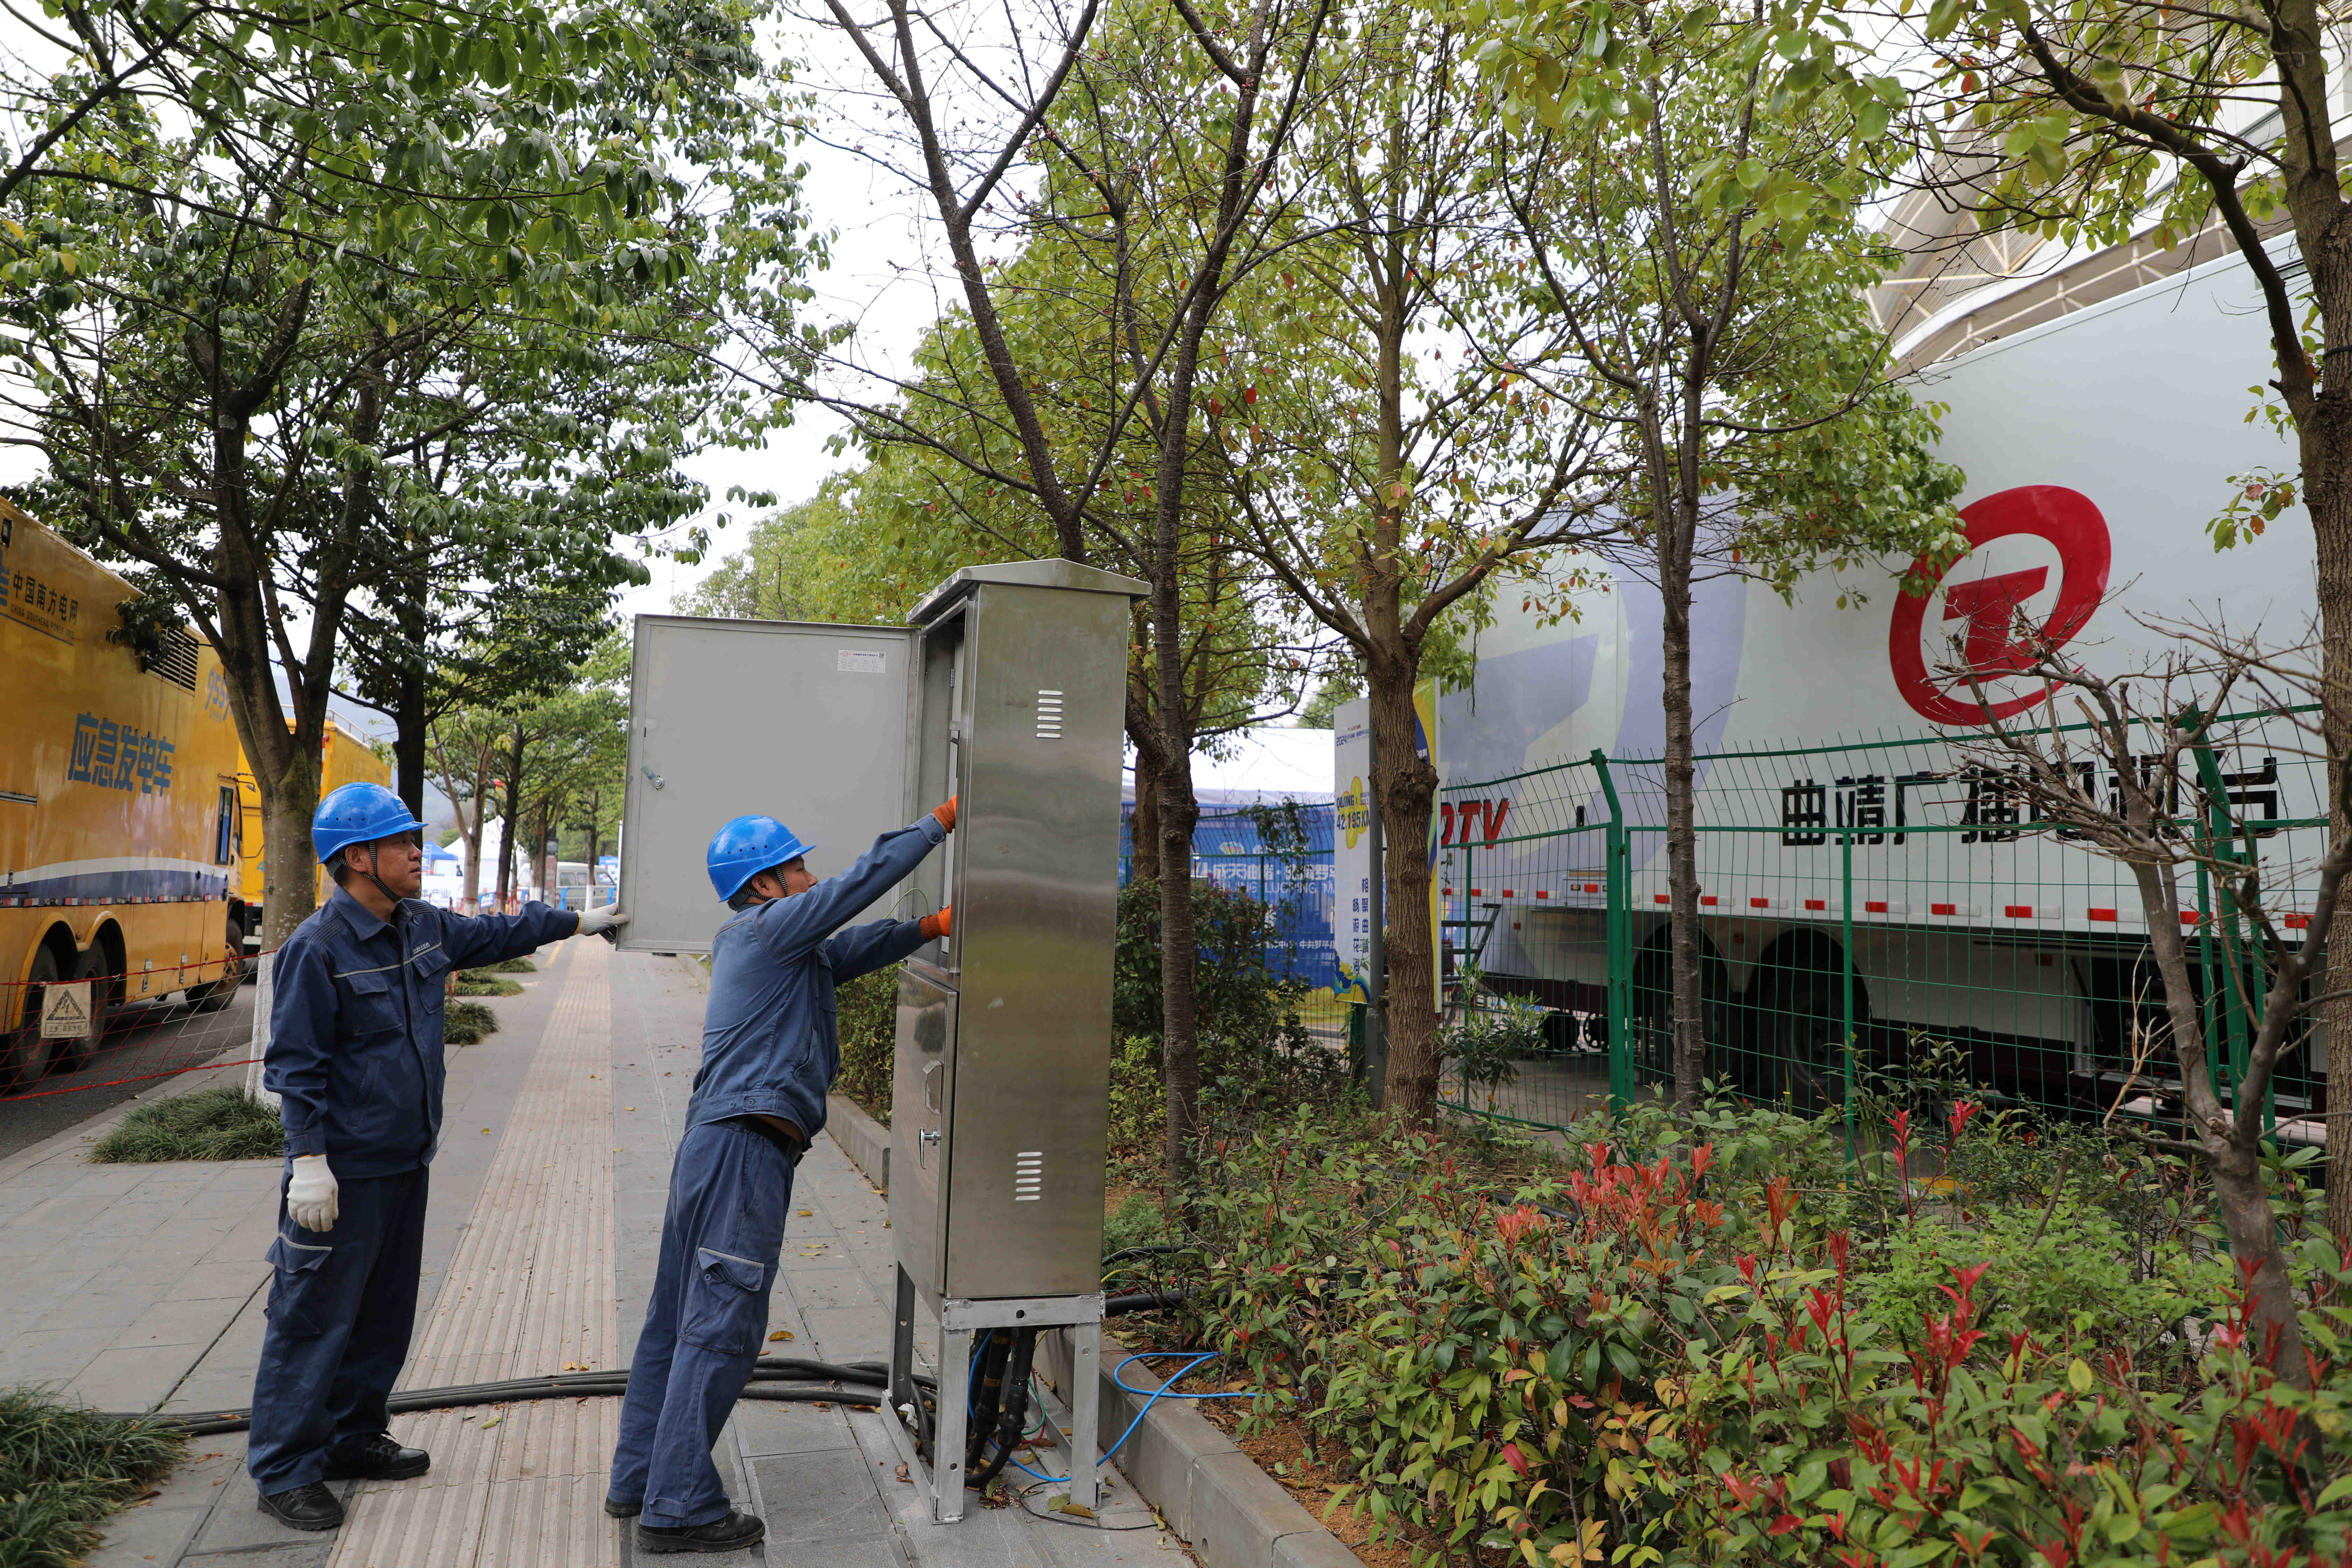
x=1697, y=228
x=1383, y=483
x=245, y=335
x=1143, y=141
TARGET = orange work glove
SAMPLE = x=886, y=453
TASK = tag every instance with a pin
x=945, y=812
x=935, y=926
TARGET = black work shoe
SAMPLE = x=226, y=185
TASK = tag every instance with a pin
x=383, y=1460
x=310, y=1507
x=620, y=1510
x=736, y=1532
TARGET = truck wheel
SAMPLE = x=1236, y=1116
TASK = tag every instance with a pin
x=1801, y=1035
x=105, y=999
x=1650, y=1033
x=25, y=1056
x=219, y=994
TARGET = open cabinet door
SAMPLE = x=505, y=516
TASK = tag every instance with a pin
x=804, y=722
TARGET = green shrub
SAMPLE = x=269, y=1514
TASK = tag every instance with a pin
x=469, y=1023
x=223, y=1122
x=1138, y=1100
x=2072, y=1283
x=483, y=983
x=867, y=1015
x=1485, y=1045
x=1136, y=1222
x=509, y=966
x=63, y=1470
x=1252, y=1042
x=1712, y=1340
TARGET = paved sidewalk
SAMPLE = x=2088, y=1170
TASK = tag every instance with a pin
x=142, y=1287
x=538, y=1257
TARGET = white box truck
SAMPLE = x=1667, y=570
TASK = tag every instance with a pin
x=2096, y=449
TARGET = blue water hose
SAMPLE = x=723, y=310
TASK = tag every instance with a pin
x=1156, y=1394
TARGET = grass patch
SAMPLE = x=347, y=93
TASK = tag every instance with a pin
x=219, y=1123
x=483, y=983
x=507, y=966
x=63, y=1469
x=467, y=1023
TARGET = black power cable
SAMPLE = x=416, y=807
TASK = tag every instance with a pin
x=1014, y=1418
x=783, y=1379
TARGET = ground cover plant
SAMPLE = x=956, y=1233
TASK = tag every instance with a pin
x=469, y=1023
x=1716, y=1337
x=223, y=1122
x=63, y=1470
x=486, y=983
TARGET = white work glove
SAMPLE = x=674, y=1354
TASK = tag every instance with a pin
x=311, y=1194
x=600, y=922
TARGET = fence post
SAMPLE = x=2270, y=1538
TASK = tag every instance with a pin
x=1845, y=967
x=1620, y=927
x=2215, y=833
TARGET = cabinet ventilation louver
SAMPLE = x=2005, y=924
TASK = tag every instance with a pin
x=1049, y=715
x=1028, y=1176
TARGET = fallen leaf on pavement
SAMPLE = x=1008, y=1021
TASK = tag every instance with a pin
x=779, y=1335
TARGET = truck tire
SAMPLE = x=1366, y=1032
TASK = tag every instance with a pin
x=25, y=1056
x=1799, y=1018
x=1650, y=1028
x=105, y=977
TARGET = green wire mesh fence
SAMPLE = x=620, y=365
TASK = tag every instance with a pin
x=1872, y=916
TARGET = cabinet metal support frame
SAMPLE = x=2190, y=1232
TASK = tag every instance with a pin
x=1074, y=1428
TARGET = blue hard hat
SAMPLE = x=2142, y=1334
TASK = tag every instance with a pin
x=747, y=847
x=358, y=814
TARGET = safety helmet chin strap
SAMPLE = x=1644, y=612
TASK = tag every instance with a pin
x=370, y=874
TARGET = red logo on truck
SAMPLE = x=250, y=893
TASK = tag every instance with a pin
x=1988, y=607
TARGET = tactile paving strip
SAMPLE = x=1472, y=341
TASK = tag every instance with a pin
x=530, y=1289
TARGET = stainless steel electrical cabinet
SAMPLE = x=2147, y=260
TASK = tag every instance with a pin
x=999, y=1098
x=801, y=721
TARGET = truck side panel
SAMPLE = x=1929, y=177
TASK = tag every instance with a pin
x=117, y=786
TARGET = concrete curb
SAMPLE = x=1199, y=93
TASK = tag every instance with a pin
x=1231, y=1514
x=865, y=1140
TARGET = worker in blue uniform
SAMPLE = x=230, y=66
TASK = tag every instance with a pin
x=769, y=1054
x=354, y=1053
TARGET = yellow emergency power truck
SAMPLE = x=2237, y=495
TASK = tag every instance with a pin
x=344, y=757
x=119, y=809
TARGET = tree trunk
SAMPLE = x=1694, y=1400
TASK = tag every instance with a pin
x=1407, y=784
x=507, y=822
x=2231, y=1155
x=1143, y=831
x=289, y=868
x=408, y=715
x=1180, y=1001
x=1689, y=1027
x=2326, y=439
x=472, y=822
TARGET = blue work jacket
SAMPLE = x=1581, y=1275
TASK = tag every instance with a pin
x=770, y=1040
x=355, y=1021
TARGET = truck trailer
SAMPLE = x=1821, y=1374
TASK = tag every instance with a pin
x=120, y=825
x=2097, y=447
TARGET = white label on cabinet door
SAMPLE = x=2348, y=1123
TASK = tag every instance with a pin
x=858, y=663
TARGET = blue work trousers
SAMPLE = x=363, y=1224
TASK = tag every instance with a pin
x=342, y=1304
x=729, y=1192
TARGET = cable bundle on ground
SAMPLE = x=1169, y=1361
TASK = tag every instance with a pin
x=789, y=1379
